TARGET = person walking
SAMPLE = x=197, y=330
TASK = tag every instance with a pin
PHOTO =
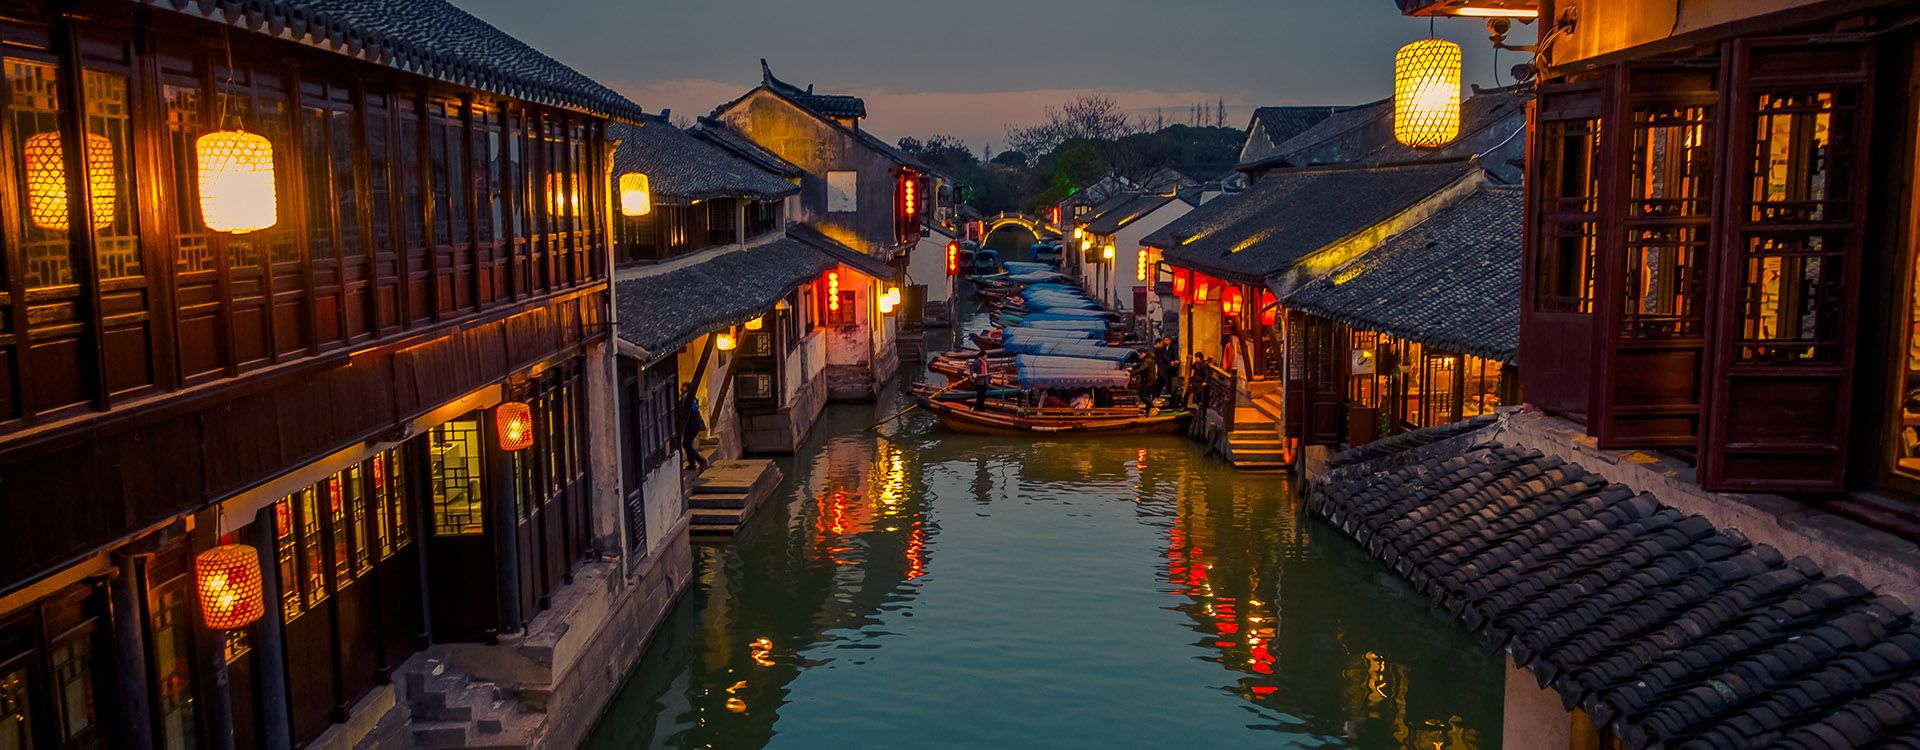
x=691, y=425
x=1169, y=366
x=1147, y=381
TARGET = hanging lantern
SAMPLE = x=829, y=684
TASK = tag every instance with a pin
x=893, y=293
x=1269, y=308
x=227, y=579
x=47, y=181
x=1181, y=278
x=953, y=259
x=236, y=181
x=833, y=291
x=1230, y=302
x=1079, y=232
x=1426, y=93
x=1108, y=253
x=1199, y=290
x=513, y=425
x=886, y=305
x=724, y=341
x=756, y=324
x=636, y=195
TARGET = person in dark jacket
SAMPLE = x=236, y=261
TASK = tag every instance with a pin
x=981, y=382
x=1169, y=362
x=690, y=427
x=1147, y=381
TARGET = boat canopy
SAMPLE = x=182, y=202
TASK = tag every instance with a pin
x=1085, y=350
x=1024, y=266
x=1034, y=277
x=1038, y=371
x=1064, y=314
x=1049, y=334
x=1096, y=326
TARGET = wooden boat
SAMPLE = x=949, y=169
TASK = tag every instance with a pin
x=960, y=416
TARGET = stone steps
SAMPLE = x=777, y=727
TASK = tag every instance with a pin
x=449, y=709
x=728, y=493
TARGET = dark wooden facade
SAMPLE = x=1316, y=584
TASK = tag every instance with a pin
x=1715, y=242
x=433, y=241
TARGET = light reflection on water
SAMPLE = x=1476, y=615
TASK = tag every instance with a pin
x=911, y=586
x=955, y=591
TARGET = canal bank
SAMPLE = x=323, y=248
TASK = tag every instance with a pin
x=914, y=585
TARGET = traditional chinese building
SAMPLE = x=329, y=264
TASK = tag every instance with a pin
x=857, y=190
x=325, y=410
x=1691, y=522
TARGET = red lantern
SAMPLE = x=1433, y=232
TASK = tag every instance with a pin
x=514, y=422
x=1230, y=302
x=1269, y=308
x=1200, y=288
x=953, y=259
x=227, y=580
x=1181, y=277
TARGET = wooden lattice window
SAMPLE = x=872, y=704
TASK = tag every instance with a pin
x=455, y=465
x=1570, y=205
x=1791, y=291
x=1667, y=222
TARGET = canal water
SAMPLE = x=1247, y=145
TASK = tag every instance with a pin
x=912, y=587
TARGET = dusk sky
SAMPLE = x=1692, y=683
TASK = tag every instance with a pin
x=970, y=67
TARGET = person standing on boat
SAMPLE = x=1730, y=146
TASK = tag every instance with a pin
x=1169, y=366
x=1147, y=381
x=981, y=381
x=1197, y=382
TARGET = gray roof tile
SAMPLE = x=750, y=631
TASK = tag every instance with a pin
x=426, y=37
x=1452, y=281
x=1666, y=630
x=661, y=312
x=683, y=168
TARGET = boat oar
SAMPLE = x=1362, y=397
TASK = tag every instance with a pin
x=915, y=405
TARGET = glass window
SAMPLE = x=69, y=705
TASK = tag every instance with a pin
x=172, y=632
x=16, y=708
x=1569, y=215
x=313, y=568
x=110, y=175
x=34, y=108
x=73, y=681
x=287, y=560
x=185, y=124
x=455, y=465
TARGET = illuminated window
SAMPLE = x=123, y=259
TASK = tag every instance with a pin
x=1569, y=216
x=454, y=466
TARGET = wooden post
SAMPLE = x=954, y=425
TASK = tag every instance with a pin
x=502, y=523
x=268, y=642
x=135, y=726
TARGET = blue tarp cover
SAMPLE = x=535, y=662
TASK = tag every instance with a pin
x=1038, y=371
x=1049, y=334
x=1072, y=349
x=1062, y=314
x=1096, y=326
x=1021, y=266
x=1034, y=277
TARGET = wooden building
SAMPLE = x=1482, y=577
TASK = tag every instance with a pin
x=856, y=190
x=331, y=390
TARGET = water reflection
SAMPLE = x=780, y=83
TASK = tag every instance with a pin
x=911, y=586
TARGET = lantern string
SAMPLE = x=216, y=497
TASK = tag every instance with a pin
x=226, y=108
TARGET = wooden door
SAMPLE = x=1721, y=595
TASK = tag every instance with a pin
x=357, y=631
x=1296, y=401
x=1326, y=424
x=1563, y=221
x=1789, y=280
x=402, y=629
x=1651, y=294
x=460, y=564
x=306, y=603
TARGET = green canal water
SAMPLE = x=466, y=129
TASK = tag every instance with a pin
x=912, y=587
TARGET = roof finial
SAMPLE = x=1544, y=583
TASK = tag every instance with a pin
x=766, y=72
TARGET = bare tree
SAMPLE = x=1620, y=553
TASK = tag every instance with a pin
x=1220, y=115
x=1094, y=118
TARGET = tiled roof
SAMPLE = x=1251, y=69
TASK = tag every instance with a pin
x=683, y=168
x=1282, y=123
x=1113, y=202
x=827, y=105
x=1664, y=629
x=1128, y=212
x=1452, y=281
x=661, y=312
x=871, y=266
x=1491, y=122
x=1289, y=214
x=432, y=38
x=720, y=135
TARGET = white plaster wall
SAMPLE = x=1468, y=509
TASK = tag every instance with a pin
x=665, y=509
x=928, y=266
x=1127, y=248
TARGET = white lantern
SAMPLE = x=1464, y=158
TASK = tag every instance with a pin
x=636, y=195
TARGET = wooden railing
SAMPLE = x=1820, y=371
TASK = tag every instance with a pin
x=1222, y=394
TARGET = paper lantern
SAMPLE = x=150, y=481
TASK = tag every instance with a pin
x=953, y=259
x=227, y=579
x=724, y=341
x=1269, y=308
x=636, y=195
x=1199, y=289
x=1426, y=93
x=236, y=181
x=513, y=420
x=893, y=294
x=833, y=291
x=47, y=181
x=756, y=324
x=1107, y=253
x=886, y=305
x=1079, y=232
x=1181, y=279
x=1232, y=302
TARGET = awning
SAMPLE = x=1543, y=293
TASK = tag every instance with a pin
x=1038, y=371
